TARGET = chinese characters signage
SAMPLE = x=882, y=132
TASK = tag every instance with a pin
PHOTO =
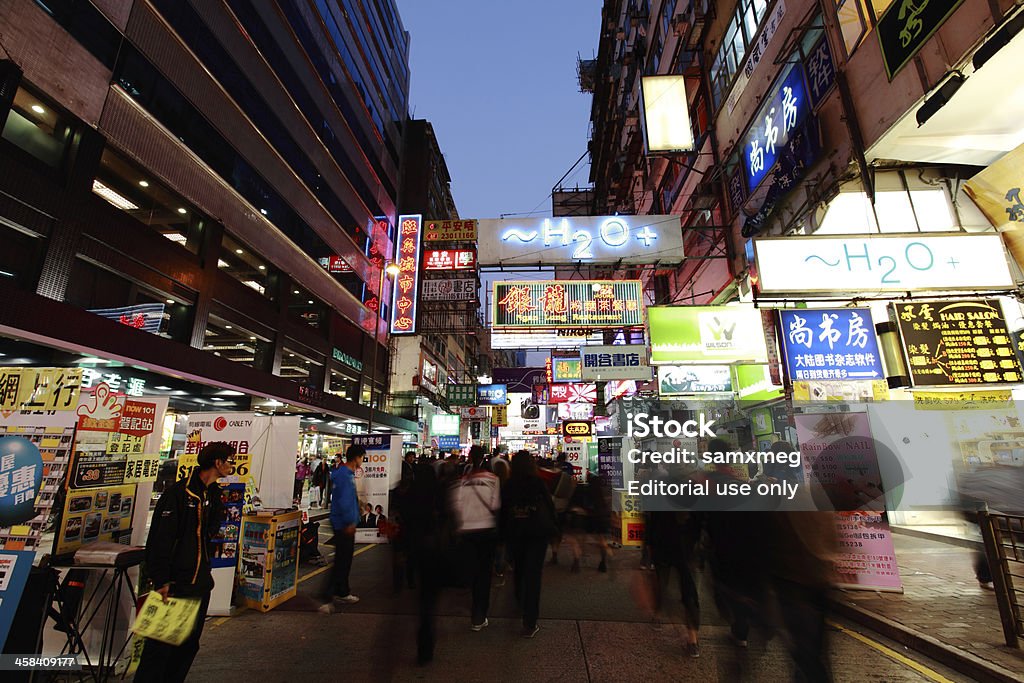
x=39, y=388
x=572, y=393
x=499, y=416
x=334, y=264
x=830, y=343
x=449, y=290
x=773, y=126
x=589, y=239
x=444, y=425
x=147, y=317
x=615, y=362
x=406, y=286
x=492, y=394
x=449, y=259
x=568, y=303
x=906, y=26
x=706, y=334
x=957, y=343
x=450, y=231
x=140, y=468
x=676, y=380
x=821, y=71
x=566, y=369
x=882, y=263
x=461, y=394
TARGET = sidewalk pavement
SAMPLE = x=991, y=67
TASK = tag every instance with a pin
x=943, y=612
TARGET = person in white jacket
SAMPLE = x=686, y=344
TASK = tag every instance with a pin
x=476, y=502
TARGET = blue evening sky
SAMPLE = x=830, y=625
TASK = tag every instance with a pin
x=497, y=79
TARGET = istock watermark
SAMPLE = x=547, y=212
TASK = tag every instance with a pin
x=642, y=425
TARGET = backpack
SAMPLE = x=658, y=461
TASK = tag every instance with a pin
x=529, y=515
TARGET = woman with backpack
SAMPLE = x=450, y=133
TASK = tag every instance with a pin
x=528, y=518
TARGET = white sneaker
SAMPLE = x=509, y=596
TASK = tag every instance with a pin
x=348, y=599
x=480, y=627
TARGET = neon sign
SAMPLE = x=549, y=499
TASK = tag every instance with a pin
x=590, y=239
x=407, y=282
x=567, y=303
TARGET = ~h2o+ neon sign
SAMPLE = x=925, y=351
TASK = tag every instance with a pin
x=612, y=233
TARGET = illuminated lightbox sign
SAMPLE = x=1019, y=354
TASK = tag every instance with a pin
x=706, y=334
x=665, y=114
x=406, y=288
x=566, y=369
x=678, y=380
x=615, y=362
x=586, y=239
x=776, y=120
x=492, y=394
x=449, y=231
x=572, y=393
x=567, y=303
x=544, y=340
x=444, y=425
x=334, y=264
x=882, y=263
x=449, y=259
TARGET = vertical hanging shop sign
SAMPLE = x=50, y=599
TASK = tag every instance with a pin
x=407, y=283
x=906, y=26
x=821, y=71
x=777, y=121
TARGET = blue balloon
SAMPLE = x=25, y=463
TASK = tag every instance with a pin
x=21, y=477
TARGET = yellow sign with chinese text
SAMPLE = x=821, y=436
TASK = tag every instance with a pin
x=499, y=416
x=39, y=388
x=449, y=231
x=169, y=622
x=961, y=400
x=141, y=467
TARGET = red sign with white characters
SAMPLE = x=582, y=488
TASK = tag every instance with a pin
x=407, y=282
x=449, y=259
x=572, y=393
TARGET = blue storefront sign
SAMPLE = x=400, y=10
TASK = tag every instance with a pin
x=830, y=343
x=491, y=394
x=448, y=443
x=781, y=114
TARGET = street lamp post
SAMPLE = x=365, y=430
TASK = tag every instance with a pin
x=390, y=270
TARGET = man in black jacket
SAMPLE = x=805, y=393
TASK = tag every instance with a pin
x=187, y=516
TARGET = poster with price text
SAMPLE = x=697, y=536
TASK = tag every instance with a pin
x=373, y=482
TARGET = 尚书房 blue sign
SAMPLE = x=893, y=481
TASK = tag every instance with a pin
x=491, y=394
x=769, y=133
x=830, y=343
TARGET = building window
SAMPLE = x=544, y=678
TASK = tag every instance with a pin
x=126, y=186
x=853, y=21
x=307, y=308
x=344, y=385
x=739, y=36
x=21, y=256
x=87, y=25
x=37, y=127
x=232, y=341
x=243, y=264
x=303, y=368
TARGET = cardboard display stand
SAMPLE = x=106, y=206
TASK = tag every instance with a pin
x=269, y=562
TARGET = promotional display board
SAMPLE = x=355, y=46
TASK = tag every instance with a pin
x=882, y=263
x=839, y=449
x=406, y=288
x=373, y=482
x=448, y=290
x=448, y=443
x=444, y=425
x=576, y=453
x=957, y=343
x=678, y=380
x=572, y=393
x=101, y=497
x=565, y=303
x=831, y=343
x=575, y=411
x=615, y=362
x=609, y=461
x=14, y=569
x=754, y=383
x=706, y=334
x=269, y=567
x=449, y=231
x=461, y=394
x=491, y=394
x=631, y=519
x=587, y=239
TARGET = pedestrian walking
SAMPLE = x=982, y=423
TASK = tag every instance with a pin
x=301, y=474
x=476, y=501
x=671, y=538
x=344, y=517
x=186, y=517
x=528, y=525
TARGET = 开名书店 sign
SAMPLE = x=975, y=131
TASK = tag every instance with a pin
x=706, y=334
x=586, y=239
x=615, y=362
x=882, y=263
x=567, y=303
x=957, y=343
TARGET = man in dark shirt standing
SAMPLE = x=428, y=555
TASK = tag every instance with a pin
x=178, y=556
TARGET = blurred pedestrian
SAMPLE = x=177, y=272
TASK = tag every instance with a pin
x=344, y=518
x=528, y=525
x=476, y=501
x=671, y=538
x=423, y=511
x=301, y=474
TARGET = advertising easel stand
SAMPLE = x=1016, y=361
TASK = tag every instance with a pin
x=269, y=567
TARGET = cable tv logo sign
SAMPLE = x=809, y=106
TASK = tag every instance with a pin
x=220, y=424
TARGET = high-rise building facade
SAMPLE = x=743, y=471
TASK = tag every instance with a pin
x=227, y=170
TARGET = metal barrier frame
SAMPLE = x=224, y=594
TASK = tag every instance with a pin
x=1004, y=548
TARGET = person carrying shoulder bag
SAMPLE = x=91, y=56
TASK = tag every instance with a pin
x=528, y=521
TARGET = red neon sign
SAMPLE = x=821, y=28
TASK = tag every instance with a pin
x=407, y=282
x=449, y=259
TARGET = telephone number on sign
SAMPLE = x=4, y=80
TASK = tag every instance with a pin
x=16, y=662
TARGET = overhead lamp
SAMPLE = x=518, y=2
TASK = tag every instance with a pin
x=216, y=398
x=392, y=269
x=182, y=211
x=113, y=197
x=940, y=98
x=170, y=301
x=239, y=251
x=263, y=267
x=162, y=388
x=998, y=41
x=37, y=109
x=143, y=183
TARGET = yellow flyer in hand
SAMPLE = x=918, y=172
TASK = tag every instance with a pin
x=169, y=622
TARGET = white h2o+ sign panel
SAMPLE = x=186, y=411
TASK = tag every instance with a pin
x=580, y=239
